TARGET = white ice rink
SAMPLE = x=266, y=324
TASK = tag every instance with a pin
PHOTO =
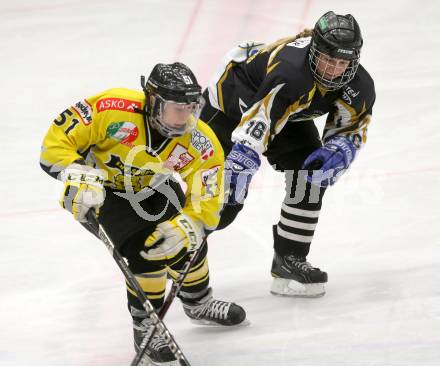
x=62, y=298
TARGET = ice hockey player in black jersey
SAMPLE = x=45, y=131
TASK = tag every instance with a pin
x=262, y=101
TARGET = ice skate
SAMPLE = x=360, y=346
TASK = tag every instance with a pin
x=209, y=311
x=159, y=353
x=294, y=276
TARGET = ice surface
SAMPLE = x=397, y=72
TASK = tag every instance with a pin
x=62, y=299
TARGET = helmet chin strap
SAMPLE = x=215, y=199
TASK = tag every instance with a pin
x=150, y=149
x=149, y=146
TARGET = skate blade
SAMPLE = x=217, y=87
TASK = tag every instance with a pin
x=204, y=322
x=291, y=288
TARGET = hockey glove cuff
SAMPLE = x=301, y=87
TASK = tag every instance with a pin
x=83, y=190
x=240, y=166
x=172, y=239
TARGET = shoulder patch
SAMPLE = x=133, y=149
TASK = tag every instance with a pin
x=202, y=144
x=300, y=42
x=209, y=180
x=118, y=104
x=209, y=174
x=84, y=110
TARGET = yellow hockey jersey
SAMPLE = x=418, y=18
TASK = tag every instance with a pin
x=108, y=131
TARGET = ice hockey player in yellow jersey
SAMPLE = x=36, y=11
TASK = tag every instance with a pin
x=119, y=153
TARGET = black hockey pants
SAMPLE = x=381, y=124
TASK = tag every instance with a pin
x=128, y=230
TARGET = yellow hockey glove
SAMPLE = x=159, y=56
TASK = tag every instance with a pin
x=172, y=239
x=83, y=190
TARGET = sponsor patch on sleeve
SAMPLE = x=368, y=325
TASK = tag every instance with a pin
x=84, y=110
x=209, y=180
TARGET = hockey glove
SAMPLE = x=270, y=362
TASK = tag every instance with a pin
x=330, y=161
x=240, y=166
x=83, y=190
x=172, y=239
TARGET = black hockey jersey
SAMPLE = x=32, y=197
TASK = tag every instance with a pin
x=261, y=92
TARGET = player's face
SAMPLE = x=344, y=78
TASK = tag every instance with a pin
x=177, y=115
x=330, y=67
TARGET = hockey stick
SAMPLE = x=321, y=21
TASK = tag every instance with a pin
x=175, y=288
x=178, y=283
x=134, y=284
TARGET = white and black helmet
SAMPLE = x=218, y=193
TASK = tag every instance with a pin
x=171, y=84
x=337, y=36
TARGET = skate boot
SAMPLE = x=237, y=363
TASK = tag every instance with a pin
x=158, y=351
x=294, y=276
x=209, y=311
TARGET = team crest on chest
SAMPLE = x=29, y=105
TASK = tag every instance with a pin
x=178, y=158
x=124, y=132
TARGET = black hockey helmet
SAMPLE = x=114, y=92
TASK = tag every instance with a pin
x=171, y=91
x=336, y=36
